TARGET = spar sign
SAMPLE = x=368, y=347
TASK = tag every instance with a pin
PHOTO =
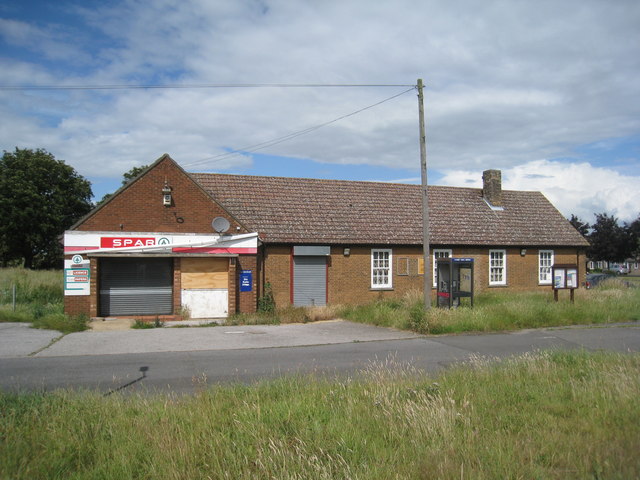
x=123, y=242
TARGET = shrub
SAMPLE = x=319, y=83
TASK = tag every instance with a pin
x=62, y=323
x=266, y=303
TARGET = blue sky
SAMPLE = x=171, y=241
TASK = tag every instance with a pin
x=546, y=91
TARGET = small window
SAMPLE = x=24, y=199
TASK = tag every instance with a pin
x=381, y=269
x=439, y=253
x=545, y=262
x=497, y=267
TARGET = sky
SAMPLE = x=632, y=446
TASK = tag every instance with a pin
x=546, y=91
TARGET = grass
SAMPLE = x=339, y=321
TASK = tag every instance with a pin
x=632, y=280
x=39, y=300
x=142, y=325
x=289, y=314
x=500, y=311
x=551, y=415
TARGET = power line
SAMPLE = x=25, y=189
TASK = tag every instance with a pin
x=284, y=138
x=201, y=85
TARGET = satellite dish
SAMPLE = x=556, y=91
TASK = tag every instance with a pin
x=220, y=224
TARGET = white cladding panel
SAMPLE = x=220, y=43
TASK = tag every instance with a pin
x=206, y=303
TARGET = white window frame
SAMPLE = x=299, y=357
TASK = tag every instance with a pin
x=501, y=269
x=439, y=253
x=378, y=268
x=545, y=262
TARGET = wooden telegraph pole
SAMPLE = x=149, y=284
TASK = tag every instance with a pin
x=425, y=201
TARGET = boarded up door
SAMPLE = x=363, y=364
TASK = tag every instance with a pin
x=309, y=281
x=205, y=287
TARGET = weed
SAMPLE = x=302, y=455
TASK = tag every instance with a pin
x=266, y=303
x=142, y=325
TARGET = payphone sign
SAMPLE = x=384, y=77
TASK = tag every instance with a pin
x=246, y=280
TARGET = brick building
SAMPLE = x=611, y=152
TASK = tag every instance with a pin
x=170, y=242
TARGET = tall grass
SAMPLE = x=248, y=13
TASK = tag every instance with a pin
x=550, y=415
x=289, y=314
x=39, y=300
x=500, y=311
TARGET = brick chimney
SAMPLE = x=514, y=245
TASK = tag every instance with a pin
x=492, y=187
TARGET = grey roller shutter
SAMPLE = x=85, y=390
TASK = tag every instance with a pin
x=309, y=281
x=136, y=286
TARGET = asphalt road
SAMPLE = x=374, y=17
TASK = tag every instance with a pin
x=345, y=349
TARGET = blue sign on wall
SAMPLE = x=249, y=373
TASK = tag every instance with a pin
x=246, y=280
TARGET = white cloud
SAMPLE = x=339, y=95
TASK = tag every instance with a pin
x=506, y=82
x=574, y=188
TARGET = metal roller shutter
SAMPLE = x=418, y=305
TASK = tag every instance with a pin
x=136, y=286
x=309, y=281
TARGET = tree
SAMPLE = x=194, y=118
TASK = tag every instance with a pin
x=609, y=241
x=579, y=225
x=40, y=197
x=633, y=230
x=126, y=178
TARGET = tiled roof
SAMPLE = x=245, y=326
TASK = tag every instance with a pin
x=299, y=210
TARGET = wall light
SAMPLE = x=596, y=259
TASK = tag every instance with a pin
x=347, y=252
x=523, y=252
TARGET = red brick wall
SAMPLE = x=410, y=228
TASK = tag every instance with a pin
x=139, y=207
x=277, y=271
x=84, y=304
x=247, y=301
x=349, y=277
x=177, y=288
x=76, y=305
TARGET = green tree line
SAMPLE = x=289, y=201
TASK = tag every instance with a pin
x=609, y=239
x=40, y=197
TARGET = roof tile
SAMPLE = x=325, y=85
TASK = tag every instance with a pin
x=300, y=210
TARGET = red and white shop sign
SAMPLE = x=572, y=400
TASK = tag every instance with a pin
x=123, y=242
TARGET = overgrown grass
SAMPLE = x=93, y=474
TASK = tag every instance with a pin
x=551, y=415
x=500, y=311
x=39, y=300
x=289, y=314
x=142, y=325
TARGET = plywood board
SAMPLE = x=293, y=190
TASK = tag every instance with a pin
x=204, y=273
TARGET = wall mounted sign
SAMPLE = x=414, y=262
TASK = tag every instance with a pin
x=246, y=281
x=77, y=276
x=79, y=242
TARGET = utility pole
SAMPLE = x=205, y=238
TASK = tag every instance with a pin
x=425, y=201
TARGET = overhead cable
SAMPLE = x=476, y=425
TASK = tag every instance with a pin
x=284, y=138
x=196, y=86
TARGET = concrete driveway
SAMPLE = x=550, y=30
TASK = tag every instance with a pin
x=18, y=340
